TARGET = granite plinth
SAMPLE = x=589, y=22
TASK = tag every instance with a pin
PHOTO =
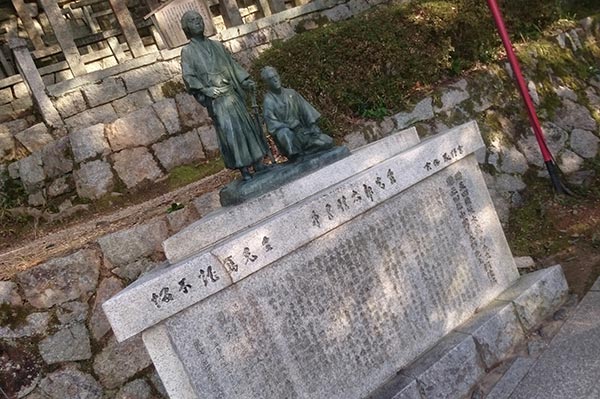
x=449, y=369
x=226, y=221
x=239, y=190
x=356, y=279
x=537, y=294
x=497, y=330
x=452, y=367
x=570, y=367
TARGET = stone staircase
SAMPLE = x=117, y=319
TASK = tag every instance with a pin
x=491, y=352
x=562, y=360
x=556, y=355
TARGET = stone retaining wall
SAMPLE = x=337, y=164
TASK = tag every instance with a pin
x=569, y=110
x=130, y=124
x=55, y=341
x=138, y=147
x=53, y=335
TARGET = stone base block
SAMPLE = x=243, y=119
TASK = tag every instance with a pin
x=456, y=363
x=399, y=387
x=496, y=330
x=239, y=191
x=450, y=369
x=536, y=295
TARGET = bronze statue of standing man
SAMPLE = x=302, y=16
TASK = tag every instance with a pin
x=213, y=77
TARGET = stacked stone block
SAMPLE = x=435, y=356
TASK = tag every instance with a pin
x=110, y=91
x=135, y=149
x=117, y=99
x=56, y=321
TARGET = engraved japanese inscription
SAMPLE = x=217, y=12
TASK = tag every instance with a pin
x=362, y=300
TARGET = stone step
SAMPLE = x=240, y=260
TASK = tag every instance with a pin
x=455, y=365
x=503, y=378
x=569, y=368
x=511, y=378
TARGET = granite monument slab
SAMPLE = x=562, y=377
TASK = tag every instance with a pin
x=332, y=291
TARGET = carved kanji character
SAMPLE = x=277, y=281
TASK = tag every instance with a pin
x=184, y=286
x=329, y=213
x=249, y=256
x=391, y=177
x=316, y=219
x=368, y=191
x=342, y=204
x=230, y=264
x=208, y=276
x=266, y=245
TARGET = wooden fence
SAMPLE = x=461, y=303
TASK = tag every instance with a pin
x=74, y=35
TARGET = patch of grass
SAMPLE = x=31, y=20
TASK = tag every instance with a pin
x=171, y=88
x=577, y=9
x=534, y=228
x=531, y=230
x=544, y=57
x=186, y=174
x=12, y=193
x=593, y=190
x=12, y=316
x=379, y=62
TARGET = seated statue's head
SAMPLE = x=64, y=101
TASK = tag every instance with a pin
x=271, y=78
x=192, y=24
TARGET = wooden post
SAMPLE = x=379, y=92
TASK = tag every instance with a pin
x=64, y=37
x=230, y=12
x=158, y=39
x=112, y=41
x=6, y=65
x=28, y=23
x=276, y=6
x=265, y=8
x=32, y=78
x=132, y=36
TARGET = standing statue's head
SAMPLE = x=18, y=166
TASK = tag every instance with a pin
x=192, y=24
x=271, y=78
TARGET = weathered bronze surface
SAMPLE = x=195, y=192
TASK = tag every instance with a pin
x=219, y=83
x=291, y=119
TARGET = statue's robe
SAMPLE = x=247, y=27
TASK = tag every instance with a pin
x=286, y=109
x=206, y=63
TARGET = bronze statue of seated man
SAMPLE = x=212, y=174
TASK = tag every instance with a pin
x=291, y=120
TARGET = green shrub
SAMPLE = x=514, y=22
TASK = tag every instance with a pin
x=12, y=193
x=376, y=63
x=186, y=174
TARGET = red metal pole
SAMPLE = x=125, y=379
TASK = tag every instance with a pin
x=535, y=123
x=514, y=63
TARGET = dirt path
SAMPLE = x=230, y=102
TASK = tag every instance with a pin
x=49, y=241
